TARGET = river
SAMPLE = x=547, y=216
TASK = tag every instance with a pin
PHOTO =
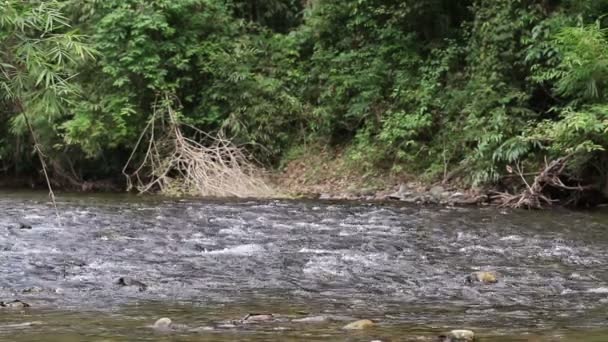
x=207, y=262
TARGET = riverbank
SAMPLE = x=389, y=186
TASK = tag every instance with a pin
x=322, y=174
x=329, y=175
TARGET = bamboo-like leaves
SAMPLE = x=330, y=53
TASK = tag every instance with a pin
x=39, y=56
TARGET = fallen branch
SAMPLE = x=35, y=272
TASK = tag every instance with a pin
x=534, y=195
x=199, y=165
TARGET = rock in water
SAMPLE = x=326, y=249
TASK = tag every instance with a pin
x=163, y=324
x=257, y=318
x=124, y=281
x=482, y=277
x=458, y=336
x=16, y=304
x=359, y=325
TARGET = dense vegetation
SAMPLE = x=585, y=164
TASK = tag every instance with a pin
x=464, y=90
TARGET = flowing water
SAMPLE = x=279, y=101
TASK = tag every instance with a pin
x=206, y=263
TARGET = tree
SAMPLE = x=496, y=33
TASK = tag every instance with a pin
x=38, y=56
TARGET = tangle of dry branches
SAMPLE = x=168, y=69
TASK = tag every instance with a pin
x=534, y=195
x=198, y=164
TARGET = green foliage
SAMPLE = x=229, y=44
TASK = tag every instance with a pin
x=583, y=68
x=422, y=86
x=39, y=53
x=224, y=78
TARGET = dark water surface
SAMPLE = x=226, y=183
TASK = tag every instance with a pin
x=207, y=262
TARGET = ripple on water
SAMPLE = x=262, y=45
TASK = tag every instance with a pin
x=245, y=250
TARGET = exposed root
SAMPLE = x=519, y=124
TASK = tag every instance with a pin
x=534, y=196
x=197, y=165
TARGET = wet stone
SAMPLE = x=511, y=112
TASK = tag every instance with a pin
x=129, y=282
x=15, y=304
x=163, y=324
x=257, y=318
x=25, y=226
x=253, y=318
x=459, y=335
x=482, y=277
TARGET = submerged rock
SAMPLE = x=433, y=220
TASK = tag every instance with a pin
x=257, y=318
x=359, y=325
x=15, y=304
x=125, y=281
x=482, y=277
x=163, y=324
x=459, y=335
x=25, y=226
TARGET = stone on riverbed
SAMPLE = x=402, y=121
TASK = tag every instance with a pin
x=482, y=277
x=163, y=324
x=359, y=325
x=25, y=226
x=125, y=281
x=15, y=304
x=459, y=335
x=257, y=318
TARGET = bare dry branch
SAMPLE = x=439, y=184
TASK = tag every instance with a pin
x=534, y=195
x=199, y=165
